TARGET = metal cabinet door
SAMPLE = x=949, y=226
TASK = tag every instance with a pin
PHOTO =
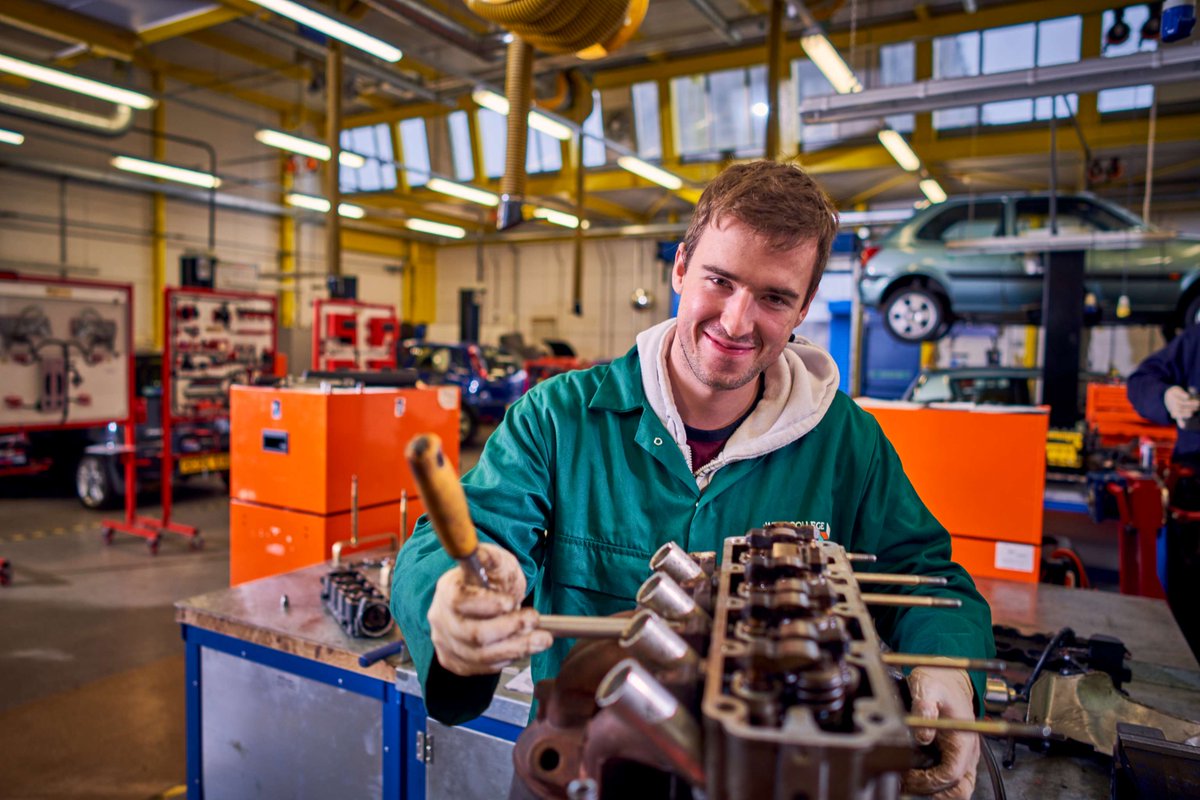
x=462, y=764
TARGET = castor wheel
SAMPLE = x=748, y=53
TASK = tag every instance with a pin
x=5, y=572
x=153, y=545
x=197, y=543
x=107, y=535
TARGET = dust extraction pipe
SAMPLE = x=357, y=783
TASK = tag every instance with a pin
x=589, y=28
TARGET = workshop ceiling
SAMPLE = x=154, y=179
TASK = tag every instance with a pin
x=236, y=50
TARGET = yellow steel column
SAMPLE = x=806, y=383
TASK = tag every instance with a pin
x=158, y=250
x=477, y=162
x=666, y=123
x=923, y=71
x=928, y=355
x=774, y=68
x=288, y=286
x=1029, y=356
x=333, y=137
x=420, y=295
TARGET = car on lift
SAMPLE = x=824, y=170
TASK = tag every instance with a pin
x=920, y=282
x=489, y=384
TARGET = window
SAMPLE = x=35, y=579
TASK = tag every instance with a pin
x=965, y=221
x=378, y=174
x=716, y=114
x=647, y=130
x=1126, y=98
x=460, y=146
x=595, y=154
x=932, y=389
x=897, y=66
x=543, y=153
x=999, y=50
x=810, y=82
x=414, y=143
x=1074, y=215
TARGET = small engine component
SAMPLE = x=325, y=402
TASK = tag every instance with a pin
x=221, y=315
x=93, y=331
x=359, y=608
x=53, y=383
x=187, y=312
x=342, y=329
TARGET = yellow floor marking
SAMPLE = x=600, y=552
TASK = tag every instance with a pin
x=17, y=537
x=59, y=531
x=37, y=534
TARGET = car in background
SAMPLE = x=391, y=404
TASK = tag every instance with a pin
x=488, y=385
x=200, y=447
x=920, y=283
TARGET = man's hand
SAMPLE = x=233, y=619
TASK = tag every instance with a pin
x=1180, y=405
x=944, y=693
x=479, y=631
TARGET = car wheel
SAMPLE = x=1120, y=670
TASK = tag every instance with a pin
x=915, y=314
x=93, y=486
x=468, y=424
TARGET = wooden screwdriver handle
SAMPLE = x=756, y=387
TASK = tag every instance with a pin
x=442, y=495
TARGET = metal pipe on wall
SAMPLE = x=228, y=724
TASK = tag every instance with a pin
x=333, y=134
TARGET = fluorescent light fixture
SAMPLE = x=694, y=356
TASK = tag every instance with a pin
x=307, y=147
x=11, y=137
x=463, y=192
x=650, y=172
x=436, y=228
x=900, y=150
x=557, y=217
x=321, y=205
x=760, y=109
x=331, y=27
x=933, y=190
x=74, y=83
x=830, y=62
x=537, y=120
x=156, y=169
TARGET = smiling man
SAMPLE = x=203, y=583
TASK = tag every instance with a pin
x=714, y=423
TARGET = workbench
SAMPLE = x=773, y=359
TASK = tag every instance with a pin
x=278, y=706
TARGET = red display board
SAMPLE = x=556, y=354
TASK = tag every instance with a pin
x=349, y=335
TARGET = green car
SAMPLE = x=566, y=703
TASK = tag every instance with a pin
x=921, y=282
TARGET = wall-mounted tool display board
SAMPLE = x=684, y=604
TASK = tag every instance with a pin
x=215, y=339
x=351, y=335
x=66, y=353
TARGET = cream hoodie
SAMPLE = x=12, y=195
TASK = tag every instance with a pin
x=800, y=386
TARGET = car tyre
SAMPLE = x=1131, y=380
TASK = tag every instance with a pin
x=915, y=314
x=93, y=484
x=468, y=425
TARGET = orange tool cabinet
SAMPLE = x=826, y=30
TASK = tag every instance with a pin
x=982, y=472
x=294, y=453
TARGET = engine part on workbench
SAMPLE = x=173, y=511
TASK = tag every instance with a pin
x=357, y=605
x=1087, y=708
x=763, y=678
x=1148, y=767
x=1063, y=652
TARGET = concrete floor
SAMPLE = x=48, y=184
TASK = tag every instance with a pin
x=91, y=660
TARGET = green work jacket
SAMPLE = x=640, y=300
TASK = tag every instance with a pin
x=583, y=483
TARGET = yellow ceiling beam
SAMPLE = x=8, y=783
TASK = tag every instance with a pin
x=878, y=188
x=183, y=26
x=406, y=111
x=56, y=22
x=207, y=80
x=411, y=206
x=914, y=29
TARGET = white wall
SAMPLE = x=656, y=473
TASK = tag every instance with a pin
x=535, y=281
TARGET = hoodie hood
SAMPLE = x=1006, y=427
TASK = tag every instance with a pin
x=800, y=386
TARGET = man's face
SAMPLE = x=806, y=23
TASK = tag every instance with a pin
x=739, y=302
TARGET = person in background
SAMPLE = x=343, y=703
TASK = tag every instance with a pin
x=1161, y=389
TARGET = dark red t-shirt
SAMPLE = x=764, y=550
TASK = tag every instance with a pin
x=707, y=444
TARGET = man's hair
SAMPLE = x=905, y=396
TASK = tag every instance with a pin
x=778, y=201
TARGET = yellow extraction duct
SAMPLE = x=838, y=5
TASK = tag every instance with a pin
x=589, y=28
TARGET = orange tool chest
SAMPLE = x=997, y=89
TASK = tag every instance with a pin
x=294, y=453
x=982, y=473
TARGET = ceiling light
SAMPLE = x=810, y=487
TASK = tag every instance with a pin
x=74, y=83
x=331, y=27
x=933, y=190
x=830, y=62
x=307, y=147
x=11, y=137
x=650, y=172
x=537, y=120
x=156, y=169
x=436, y=228
x=480, y=196
x=760, y=109
x=557, y=217
x=321, y=205
x=900, y=150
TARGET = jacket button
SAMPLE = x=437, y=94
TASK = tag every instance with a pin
x=657, y=441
